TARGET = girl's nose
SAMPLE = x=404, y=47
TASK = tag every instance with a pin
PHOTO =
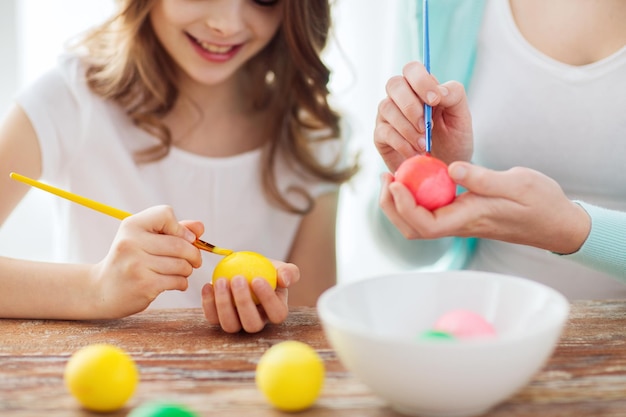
x=225, y=17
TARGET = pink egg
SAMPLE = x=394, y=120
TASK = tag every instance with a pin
x=464, y=324
x=428, y=180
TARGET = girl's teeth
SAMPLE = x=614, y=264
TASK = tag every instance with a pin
x=216, y=49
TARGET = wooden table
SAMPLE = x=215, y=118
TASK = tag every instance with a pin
x=182, y=359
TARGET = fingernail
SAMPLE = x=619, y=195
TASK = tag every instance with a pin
x=239, y=282
x=189, y=236
x=393, y=191
x=421, y=143
x=221, y=284
x=443, y=90
x=421, y=125
x=458, y=172
x=256, y=282
x=431, y=97
x=286, y=279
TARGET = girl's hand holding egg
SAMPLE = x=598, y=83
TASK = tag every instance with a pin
x=247, y=291
x=249, y=264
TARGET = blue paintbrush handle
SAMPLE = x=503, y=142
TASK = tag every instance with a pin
x=428, y=111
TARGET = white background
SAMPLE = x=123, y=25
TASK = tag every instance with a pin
x=365, y=52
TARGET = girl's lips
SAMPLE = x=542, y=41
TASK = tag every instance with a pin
x=214, y=52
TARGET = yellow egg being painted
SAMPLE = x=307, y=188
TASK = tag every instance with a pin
x=249, y=264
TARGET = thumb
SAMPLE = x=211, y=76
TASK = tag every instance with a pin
x=287, y=273
x=195, y=226
x=480, y=180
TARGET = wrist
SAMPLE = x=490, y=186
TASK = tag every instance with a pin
x=93, y=300
x=577, y=228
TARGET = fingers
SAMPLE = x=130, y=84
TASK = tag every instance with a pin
x=274, y=302
x=248, y=312
x=230, y=303
x=451, y=94
x=161, y=219
x=401, y=114
x=152, y=253
x=160, y=234
x=226, y=311
x=399, y=130
x=423, y=84
x=393, y=130
x=196, y=227
x=419, y=223
x=170, y=267
x=171, y=247
x=174, y=283
x=388, y=203
x=400, y=133
x=208, y=304
x=411, y=220
x=406, y=104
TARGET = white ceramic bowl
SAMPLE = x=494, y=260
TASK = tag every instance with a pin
x=374, y=326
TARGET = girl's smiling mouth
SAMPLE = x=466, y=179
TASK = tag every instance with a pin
x=214, y=51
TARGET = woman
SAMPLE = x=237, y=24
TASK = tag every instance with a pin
x=545, y=90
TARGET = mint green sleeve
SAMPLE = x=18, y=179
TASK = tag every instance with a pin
x=454, y=28
x=605, y=247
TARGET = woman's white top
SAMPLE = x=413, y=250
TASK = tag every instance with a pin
x=568, y=122
x=87, y=147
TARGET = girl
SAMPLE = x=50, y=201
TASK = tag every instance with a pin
x=546, y=90
x=213, y=110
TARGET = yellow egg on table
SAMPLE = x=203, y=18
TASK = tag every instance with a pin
x=290, y=375
x=249, y=264
x=101, y=377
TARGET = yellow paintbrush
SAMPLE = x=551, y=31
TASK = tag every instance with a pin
x=103, y=208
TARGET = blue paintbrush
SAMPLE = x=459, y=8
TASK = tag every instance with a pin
x=428, y=111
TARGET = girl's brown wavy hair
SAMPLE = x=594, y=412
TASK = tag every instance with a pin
x=126, y=64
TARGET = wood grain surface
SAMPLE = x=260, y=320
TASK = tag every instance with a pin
x=184, y=360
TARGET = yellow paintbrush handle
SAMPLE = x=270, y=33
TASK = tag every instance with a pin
x=102, y=208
